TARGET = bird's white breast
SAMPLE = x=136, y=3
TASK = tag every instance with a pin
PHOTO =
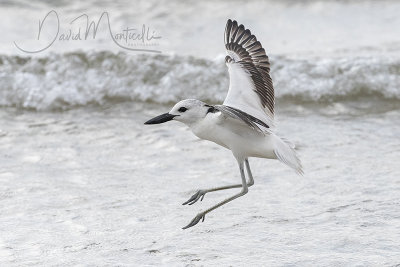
x=237, y=137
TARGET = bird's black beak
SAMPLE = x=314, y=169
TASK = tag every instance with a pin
x=161, y=119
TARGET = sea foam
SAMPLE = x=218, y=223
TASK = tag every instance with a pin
x=59, y=81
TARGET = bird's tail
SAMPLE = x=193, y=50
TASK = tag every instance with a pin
x=285, y=152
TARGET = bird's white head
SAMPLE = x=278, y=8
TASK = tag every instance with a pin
x=188, y=111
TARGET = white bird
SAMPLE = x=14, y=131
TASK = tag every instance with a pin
x=244, y=123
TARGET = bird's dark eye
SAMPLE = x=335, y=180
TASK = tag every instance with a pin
x=182, y=109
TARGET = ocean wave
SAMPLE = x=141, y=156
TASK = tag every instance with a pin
x=60, y=81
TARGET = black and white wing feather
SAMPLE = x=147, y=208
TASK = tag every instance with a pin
x=250, y=89
x=248, y=119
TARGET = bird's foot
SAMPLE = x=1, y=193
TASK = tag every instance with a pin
x=193, y=199
x=200, y=216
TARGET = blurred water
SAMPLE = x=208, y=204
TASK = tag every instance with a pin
x=94, y=186
x=295, y=28
x=84, y=182
x=64, y=81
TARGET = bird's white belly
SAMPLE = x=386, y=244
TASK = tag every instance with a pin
x=243, y=142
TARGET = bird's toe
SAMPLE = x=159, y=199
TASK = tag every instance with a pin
x=200, y=216
x=193, y=199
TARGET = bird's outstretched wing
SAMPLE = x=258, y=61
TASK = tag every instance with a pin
x=250, y=89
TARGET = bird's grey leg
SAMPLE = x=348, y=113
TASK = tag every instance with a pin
x=201, y=215
x=251, y=180
x=201, y=193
